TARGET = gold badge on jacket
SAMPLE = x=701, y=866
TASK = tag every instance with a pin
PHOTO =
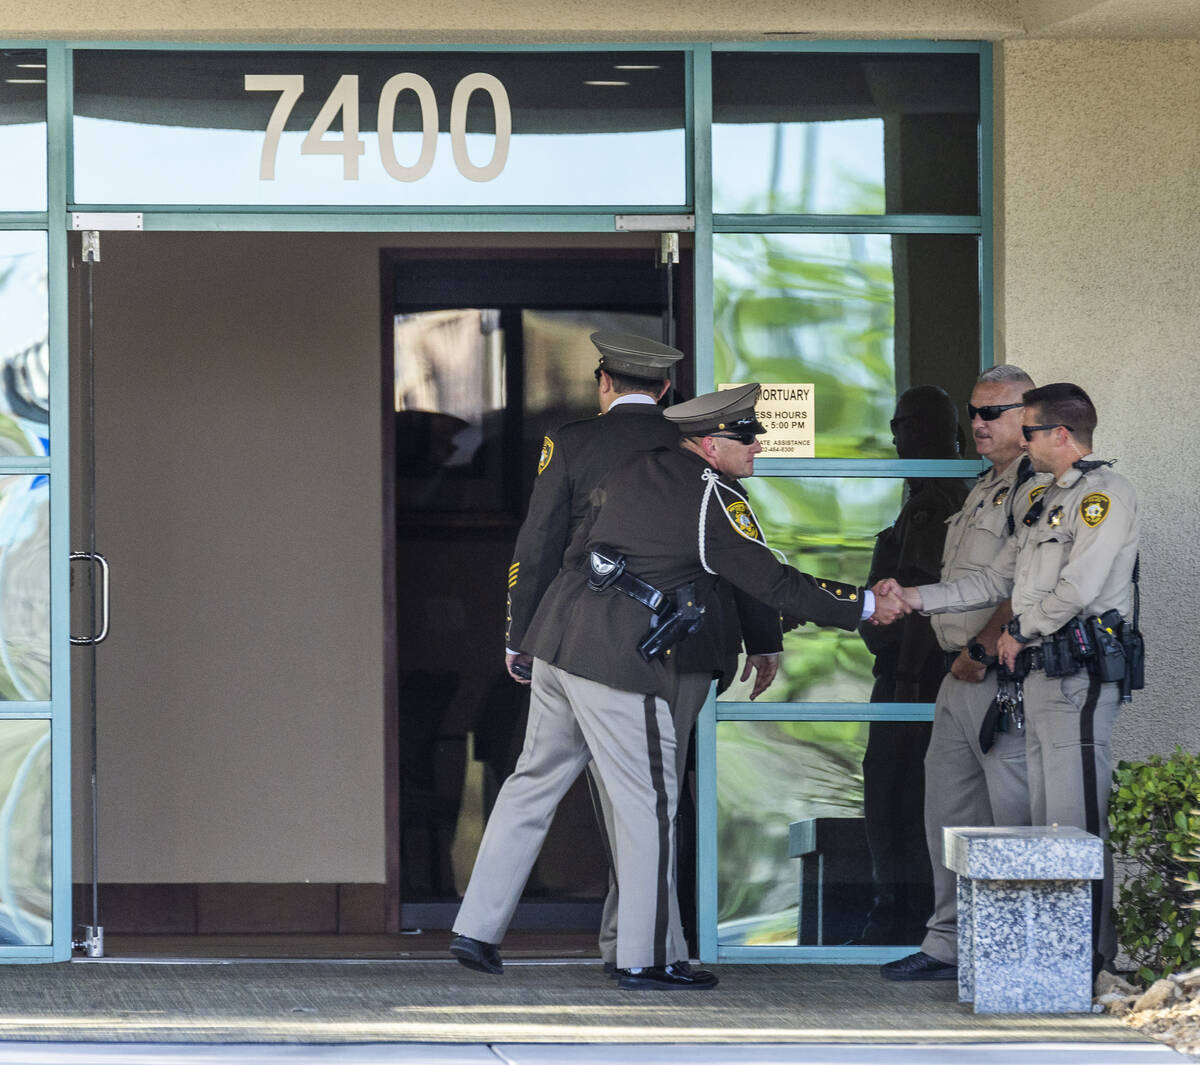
x=999, y=498
x=547, y=454
x=1094, y=508
x=742, y=519
x=1054, y=518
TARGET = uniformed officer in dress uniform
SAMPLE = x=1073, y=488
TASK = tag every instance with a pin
x=633, y=374
x=1073, y=563
x=604, y=641
x=974, y=775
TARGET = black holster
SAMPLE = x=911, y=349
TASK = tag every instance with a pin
x=683, y=617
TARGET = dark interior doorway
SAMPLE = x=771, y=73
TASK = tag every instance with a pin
x=483, y=353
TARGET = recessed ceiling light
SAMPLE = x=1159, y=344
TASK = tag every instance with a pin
x=24, y=81
x=31, y=66
x=606, y=83
x=637, y=66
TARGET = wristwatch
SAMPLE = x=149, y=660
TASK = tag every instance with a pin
x=1013, y=628
x=978, y=653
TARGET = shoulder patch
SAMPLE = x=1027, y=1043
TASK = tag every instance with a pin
x=546, y=455
x=839, y=590
x=1000, y=496
x=1094, y=508
x=1036, y=491
x=741, y=517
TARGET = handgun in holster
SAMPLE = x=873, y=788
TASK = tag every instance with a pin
x=683, y=617
x=1109, y=653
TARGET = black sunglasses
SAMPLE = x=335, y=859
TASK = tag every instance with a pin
x=741, y=438
x=1027, y=431
x=992, y=412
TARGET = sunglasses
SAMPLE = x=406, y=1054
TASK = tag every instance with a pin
x=1027, y=431
x=741, y=438
x=991, y=412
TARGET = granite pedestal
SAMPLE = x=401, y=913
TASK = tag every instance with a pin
x=1025, y=916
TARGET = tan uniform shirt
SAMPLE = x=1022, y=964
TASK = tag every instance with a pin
x=977, y=536
x=1076, y=558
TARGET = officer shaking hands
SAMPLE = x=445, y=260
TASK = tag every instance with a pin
x=604, y=640
x=1072, y=641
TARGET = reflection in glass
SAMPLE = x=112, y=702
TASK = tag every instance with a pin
x=861, y=317
x=806, y=133
x=449, y=401
x=24, y=588
x=771, y=776
x=825, y=526
x=22, y=130
x=25, y=833
x=587, y=128
x=24, y=345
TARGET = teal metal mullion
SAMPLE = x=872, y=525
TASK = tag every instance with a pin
x=744, y=711
x=23, y=220
x=706, y=726
x=847, y=223
x=58, y=128
x=964, y=468
x=987, y=336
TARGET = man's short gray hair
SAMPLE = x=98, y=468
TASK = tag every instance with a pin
x=1006, y=373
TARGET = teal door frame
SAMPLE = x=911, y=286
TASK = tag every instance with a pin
x=55, y=221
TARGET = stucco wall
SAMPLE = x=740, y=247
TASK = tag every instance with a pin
x=1099, y=261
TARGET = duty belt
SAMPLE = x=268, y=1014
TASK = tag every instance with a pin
x=606, y=569
x=676, y=614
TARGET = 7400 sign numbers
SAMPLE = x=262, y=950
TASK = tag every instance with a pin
x=350, y=146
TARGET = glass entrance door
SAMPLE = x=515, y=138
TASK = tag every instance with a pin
x=491, y=352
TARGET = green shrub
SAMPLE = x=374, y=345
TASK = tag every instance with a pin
x=1155, y=829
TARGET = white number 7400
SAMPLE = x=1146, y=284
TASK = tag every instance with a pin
x=350, y=145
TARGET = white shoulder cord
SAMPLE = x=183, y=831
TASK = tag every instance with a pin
x=713, y=483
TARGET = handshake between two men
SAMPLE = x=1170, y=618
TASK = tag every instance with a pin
x=893, y=601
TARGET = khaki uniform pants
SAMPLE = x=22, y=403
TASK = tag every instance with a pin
x=964, y=786
x=686, y=703
x=1069, y=721
x=631, y=739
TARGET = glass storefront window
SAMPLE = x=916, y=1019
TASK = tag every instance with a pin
x=809, y=133
x=860, y=317
x=467, y=129
x=817, y=842
x=24, y=347
x=25, y=854
x=22, y=130
x=825, y=526
x=24, y=588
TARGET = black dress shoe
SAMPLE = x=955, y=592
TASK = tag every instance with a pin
x=610, y=969
x=677, y=977
x=477, y=955
x=919, y=966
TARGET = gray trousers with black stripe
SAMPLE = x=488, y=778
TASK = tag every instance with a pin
x=687, y=700
x=631, y=739
x=1069, y=724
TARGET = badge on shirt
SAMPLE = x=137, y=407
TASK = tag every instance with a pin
x=1054, y=518
x=742, y=519
x=1094, y=508
x=999, y=498
x=547, y=454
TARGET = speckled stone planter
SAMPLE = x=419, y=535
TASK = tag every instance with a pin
x=1025, y=916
